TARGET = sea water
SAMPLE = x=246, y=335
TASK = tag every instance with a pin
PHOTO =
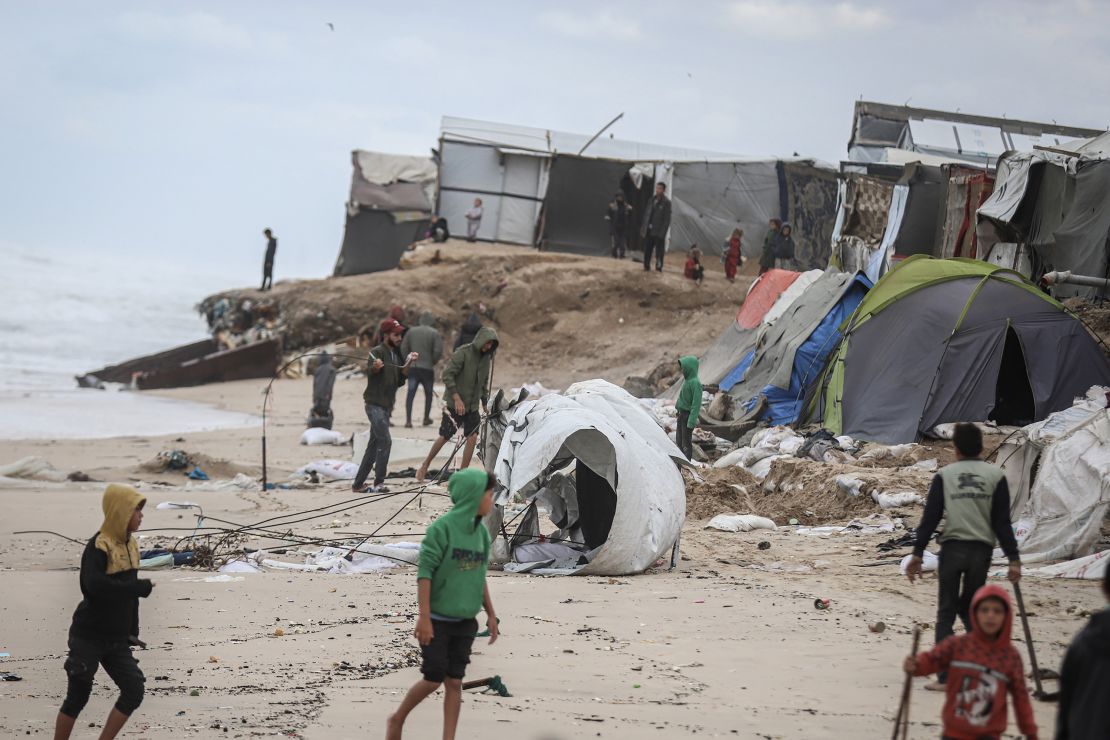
x=64, y=315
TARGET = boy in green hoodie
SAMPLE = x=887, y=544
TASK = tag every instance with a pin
x=451, y=589
x=688, y=405
x=106, y=622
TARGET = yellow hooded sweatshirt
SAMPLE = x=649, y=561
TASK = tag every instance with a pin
x=110, y=582
x=114, y=540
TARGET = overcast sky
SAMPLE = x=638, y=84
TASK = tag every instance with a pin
x=181, y=130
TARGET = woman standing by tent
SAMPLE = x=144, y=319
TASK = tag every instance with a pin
x=732, y=256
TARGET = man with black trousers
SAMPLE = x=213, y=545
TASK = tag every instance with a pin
x=618, y=215
x=657, y=221
x=268, y=265
x=975, y=499
x=385, y=373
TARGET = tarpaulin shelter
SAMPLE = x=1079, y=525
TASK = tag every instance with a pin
x=1050, y=210
x=1058, y=472
x=736, y=340
x=939, y=341
x=790, y=353
x=863, y=202
x=551, y=189
x=604, y=470
x=389, y=208
x=967, y=190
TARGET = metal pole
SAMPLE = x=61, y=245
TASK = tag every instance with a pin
x=599, y=133
x=1066, y=276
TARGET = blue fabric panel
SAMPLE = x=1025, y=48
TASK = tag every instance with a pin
x=784, y=406
x=737, y=373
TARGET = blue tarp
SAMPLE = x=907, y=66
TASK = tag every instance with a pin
x=737, y=373
x=785, y=405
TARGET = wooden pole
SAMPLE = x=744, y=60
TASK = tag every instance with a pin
x=902, y=720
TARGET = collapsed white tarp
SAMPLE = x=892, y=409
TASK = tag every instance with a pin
x=595, y=425
x=1071, y=494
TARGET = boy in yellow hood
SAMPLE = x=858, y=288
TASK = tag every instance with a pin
x=106, y=622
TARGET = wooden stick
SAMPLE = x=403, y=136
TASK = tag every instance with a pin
x=902, y=720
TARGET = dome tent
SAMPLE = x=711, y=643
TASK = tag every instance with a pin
x=607, y=467
x=953, y=340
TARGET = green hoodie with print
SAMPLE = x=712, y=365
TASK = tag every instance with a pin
x=689, y=398
x=455, y=550
x=467, y=372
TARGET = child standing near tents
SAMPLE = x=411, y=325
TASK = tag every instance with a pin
x=451, y=589
x=694, y=269
x=106, y=622
x=732, y=255
x=688, y=405
x=982, y=666
x=474, y=220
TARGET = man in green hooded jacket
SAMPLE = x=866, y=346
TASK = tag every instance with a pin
x=688, y=405
x=466, y=381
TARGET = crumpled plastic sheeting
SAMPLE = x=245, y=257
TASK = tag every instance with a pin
x=1091, y=568
x=32, y=468
x=871, y=524
x=241, y=482
x=535, y=390
x=739, y=523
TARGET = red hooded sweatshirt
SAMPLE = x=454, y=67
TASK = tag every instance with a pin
x=980, y=672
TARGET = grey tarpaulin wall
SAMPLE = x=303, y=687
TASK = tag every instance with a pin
x=710, y=199
x=578, y=191
x=1083, y=239
x=811, y=211
x=905, y=370
x=374, y=241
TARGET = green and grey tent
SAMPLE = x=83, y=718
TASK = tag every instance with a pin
x=939, y=341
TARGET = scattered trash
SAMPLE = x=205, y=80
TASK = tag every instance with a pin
x=194, y=692
x=821, y=604
x=32, y=468
x=213, y=659
x=877, y=627
x=78, y=477
x=329, y=469
x=279, y=632
x=5, y=676
x=765, y=545
x=197, y=474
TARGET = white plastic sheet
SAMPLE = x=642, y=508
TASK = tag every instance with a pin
x=329, y=469
x=320, y=436
x=608, y=431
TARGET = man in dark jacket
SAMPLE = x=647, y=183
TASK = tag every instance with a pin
x=385, y=373
x=106, y=623
x=1085, y=679
x=268, y=264
x=426, y=341
x=619, y=215
x=974, y=498
x=767, y=255
x=466, y=380
x=657, y=221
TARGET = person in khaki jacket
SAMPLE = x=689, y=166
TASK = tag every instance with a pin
x=974, y=498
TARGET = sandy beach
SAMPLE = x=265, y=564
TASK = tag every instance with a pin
x=727, y=645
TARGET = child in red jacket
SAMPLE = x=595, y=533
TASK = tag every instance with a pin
x=982, y=666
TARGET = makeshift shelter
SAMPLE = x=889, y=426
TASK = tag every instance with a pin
x=790, y=353
x=605, y=473
x=940, y=341
x=1050, y=210
x=551, y=189
x=967, y=190
x=737, y=340
x=389, y=209
x=863, y=202
x=1058, y=472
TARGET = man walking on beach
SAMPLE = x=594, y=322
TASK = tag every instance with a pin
x=385, y=373
x=466, y=379
x=975, y=499
x=268, y=265
x=426, y=341
x=657, y=221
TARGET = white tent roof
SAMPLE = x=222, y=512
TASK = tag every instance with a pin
x=529, y=139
